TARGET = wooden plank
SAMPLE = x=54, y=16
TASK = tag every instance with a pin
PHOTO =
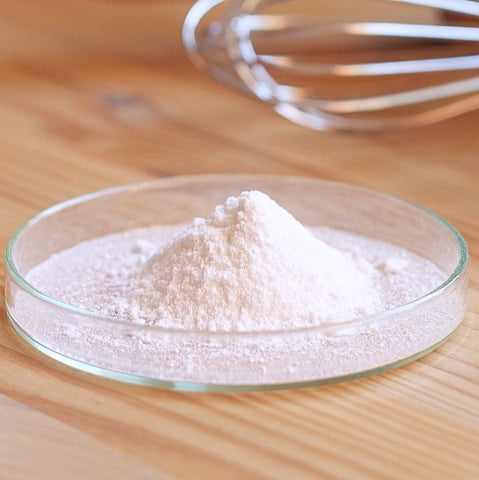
x=33, y=445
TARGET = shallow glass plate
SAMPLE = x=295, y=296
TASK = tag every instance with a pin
x=189, y=360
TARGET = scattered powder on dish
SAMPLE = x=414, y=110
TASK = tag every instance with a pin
x=249, y=266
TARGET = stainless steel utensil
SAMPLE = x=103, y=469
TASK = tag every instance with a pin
x=354, y=70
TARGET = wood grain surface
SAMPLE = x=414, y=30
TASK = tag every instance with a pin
x=78, y=119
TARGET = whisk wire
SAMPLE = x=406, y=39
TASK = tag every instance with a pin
x=424, y=65
x=227, y=50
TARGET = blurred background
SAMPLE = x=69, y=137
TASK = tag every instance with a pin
x=140, y=28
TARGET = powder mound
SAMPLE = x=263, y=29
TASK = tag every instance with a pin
x=249, y=266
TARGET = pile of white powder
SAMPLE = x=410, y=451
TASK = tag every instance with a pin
x=249, y=266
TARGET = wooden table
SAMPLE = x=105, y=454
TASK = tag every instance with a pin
x=78, y=115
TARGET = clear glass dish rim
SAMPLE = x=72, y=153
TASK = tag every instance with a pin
x=12, y=270
x=217, y=387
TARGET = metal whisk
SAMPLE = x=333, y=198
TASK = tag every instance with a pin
x=337, y=73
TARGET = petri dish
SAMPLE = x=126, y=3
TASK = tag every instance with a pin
x=188, y=360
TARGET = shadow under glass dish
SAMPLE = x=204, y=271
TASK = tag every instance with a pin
x=188, y=360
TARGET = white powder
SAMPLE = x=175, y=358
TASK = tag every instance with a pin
x=248, y=267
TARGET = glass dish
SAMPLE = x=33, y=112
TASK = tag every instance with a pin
x=188, y=360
